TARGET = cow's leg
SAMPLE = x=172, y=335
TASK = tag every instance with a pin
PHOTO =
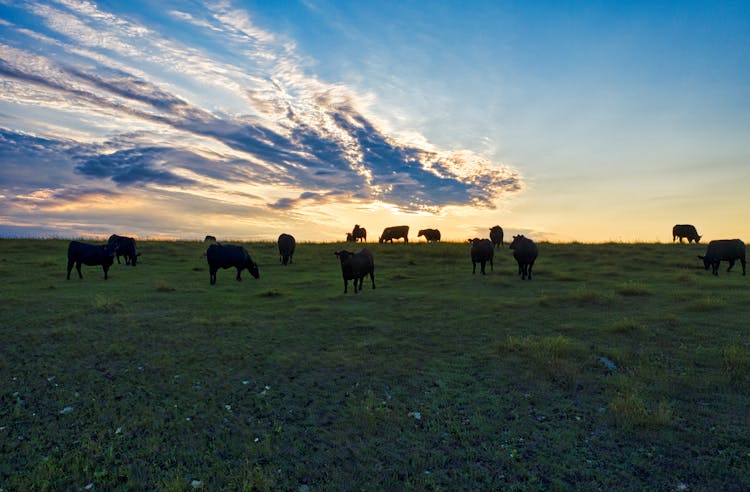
x=346, y=286
x=531, y=265
x=473, y=267
x=372, y=276
x=742, y=262
x=70, y=267
x=212, y=275
x=492, y=266
x=239, y=270
x=106, y=270
x=482, y=264
x=78, y=267
x=731, y=264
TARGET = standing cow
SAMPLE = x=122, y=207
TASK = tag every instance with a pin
x=431, y=235
x=395, y=232
x=496, y=236
x=359, y=233
x=125, y=246
x=287, y=244
x=226, y=256
x=724, y=250
x=91, y=255
x=481, y=252
x=525, y=252
x=687, y=231
x=356, y=266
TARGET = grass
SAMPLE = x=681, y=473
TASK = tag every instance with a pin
x=436, y=380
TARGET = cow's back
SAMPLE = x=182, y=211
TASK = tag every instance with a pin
x=225, y=256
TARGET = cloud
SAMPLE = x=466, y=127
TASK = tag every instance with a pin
x=274, y=136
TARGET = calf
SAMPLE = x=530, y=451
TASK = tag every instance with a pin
x=355, y=266
x=287, y=243
x=431, y=235
x=125, y=246
x=525, y=252
x=724, y=250
x=496, y=235
x=481, y=252
x=226, y=256
x=90, y=254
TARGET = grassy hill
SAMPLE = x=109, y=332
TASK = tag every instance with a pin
x=620, y=366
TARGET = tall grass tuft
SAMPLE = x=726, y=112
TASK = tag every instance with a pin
x=631, y=288
x=629, y=411
x=736, y=361
x=106, y=304
x=627, y=325
x=708, y=303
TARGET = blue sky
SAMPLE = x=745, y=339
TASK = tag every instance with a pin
x=589, y=121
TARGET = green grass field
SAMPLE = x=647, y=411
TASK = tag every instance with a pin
x=436, y=380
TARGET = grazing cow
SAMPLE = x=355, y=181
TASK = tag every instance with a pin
x=395, y=232
x=481, y=252
x=350, y=238
x=525, y=252
x=359, y=233
x=724, y=250
x=90, y=254
x=226, y=256
x=496, y=236
x=430, y=234
x=687, y=231
x=286, y=248
x=125, y=246
x=209, y=239
x=356, y=266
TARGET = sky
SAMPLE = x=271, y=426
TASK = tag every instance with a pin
x=565, y=121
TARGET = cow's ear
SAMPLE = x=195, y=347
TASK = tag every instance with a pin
x=701, y=257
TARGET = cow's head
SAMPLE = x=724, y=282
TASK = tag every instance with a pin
x=110, y=249
x=516, y=240
x=252, y=267
x=343, y=255
x=350, y=237
x=707, y=262
x=698, y=239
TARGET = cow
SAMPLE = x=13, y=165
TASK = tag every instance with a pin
x=226, y=256
x=356, y=266
x=430, y=234
x=395, y=232
x=209, y=239
x=359, y=233
x=525, y=252
x=481, y=252
x=125, y=246
x=724, y=250
x=496, y=236
x=350, y=238
x=687, y=231
x=286, y=248
x=91, y=255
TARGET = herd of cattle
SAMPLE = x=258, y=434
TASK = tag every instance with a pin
x=356, y=266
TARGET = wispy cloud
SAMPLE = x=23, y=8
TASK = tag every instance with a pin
x=198, y=120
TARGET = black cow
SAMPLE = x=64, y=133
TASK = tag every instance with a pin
x=395, y=232
x=687, y=231
x=525, y=252
x=481, y=252
x=226, y=256
x=356, y=266
x=496, y=235
x=350, y=238
x=430, y=234
x=209, y=239
x=125, y=246
x=724, y=250
x=359, y=233
x=287, y=244
x=90, y=254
